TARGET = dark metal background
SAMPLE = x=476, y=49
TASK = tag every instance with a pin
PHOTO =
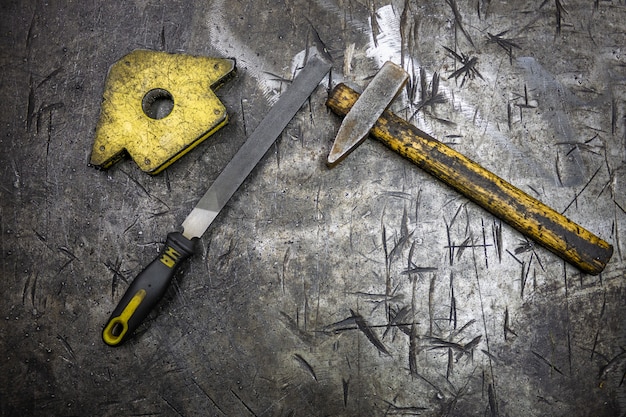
x=369, y=289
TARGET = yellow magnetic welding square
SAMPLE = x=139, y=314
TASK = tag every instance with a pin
x=158, y=106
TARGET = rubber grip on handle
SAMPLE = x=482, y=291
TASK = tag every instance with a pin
x=147, y=289
x=528, y=215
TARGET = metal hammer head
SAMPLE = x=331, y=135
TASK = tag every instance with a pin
x=377, y=96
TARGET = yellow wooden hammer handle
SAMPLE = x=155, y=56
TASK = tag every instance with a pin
x=528, y=215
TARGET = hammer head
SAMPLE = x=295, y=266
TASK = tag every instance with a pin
x=377, y=96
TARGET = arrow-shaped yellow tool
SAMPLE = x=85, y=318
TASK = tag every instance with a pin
x=157, y=107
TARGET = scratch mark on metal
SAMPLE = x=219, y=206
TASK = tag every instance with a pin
x=67, y=346
x=305, y=365
x=579, y=193
x=560, y=11
x=613, y=364
x=367, y=331
x=459, y=21
x=468, y=71
x=431, y=308
x=547, y=362
x=292, y=325
x=394, y=410
x=243, y=403
x=286, y=260
x=346, y=390
x=507, y=44
x=507, y=326
x=170, y=405
x=453, y=313
x=206, y=394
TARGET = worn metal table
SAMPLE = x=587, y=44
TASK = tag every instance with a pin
x=368, y=289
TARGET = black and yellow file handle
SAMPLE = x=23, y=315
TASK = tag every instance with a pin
x=147, y=289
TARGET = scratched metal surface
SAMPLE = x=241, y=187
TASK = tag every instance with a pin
x=368, y=289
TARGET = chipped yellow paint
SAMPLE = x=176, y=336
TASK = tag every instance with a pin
x=155, y=142
x=528, y=215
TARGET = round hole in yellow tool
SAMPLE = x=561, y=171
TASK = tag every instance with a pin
x=157, y=103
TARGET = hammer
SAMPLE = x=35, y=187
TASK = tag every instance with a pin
x=366, y=114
